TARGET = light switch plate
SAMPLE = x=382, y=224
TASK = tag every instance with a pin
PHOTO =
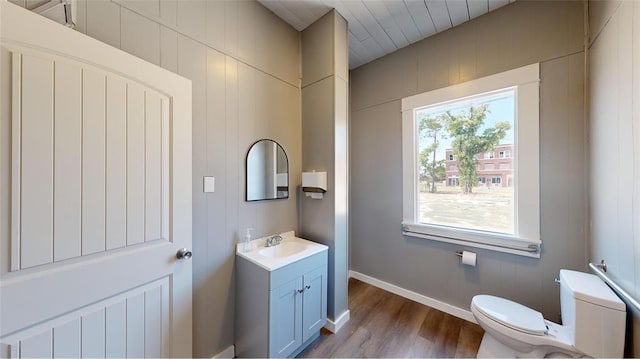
x=209, y=184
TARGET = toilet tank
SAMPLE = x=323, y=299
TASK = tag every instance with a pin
x=593, y=313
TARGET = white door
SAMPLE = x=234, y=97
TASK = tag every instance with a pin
x=95, y=197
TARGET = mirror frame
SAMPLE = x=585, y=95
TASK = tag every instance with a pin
x=246, y=172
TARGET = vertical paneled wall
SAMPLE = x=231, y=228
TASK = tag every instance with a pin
x=324, y=132
x=518, y=34
x=243, y=62
x=614, y=111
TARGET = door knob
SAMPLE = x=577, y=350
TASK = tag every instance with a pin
x=184, y=253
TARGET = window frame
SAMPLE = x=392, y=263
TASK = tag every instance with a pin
x=526, y=238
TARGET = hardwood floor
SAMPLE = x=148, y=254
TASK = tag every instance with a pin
x=386, y=325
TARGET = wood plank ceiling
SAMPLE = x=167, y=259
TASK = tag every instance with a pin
x=380, y=27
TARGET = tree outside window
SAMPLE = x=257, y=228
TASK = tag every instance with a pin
x=454, y=138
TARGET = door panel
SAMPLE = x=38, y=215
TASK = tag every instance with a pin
x=153, y=317
x=66, y=340
x=100, y=156
x=102, y=171
x=37, y=346
x=116, y=330
x=93, y=161
x=35, y=159
x=153, y=165
x=67, y=171
x=135, y=326
x=92, y=337
x=126, y=325
x=135, y=164
x=314, y=302
x=116, y=162
x=285, y=323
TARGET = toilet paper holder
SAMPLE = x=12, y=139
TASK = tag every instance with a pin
x=467, y=258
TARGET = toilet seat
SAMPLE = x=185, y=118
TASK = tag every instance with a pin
x=593, y=323
x=556, y=339
x=511, y=314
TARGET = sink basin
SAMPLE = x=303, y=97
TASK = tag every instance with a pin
x=283, y=249
x=290, y=250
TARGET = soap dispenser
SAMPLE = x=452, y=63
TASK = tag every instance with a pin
x=246, y=244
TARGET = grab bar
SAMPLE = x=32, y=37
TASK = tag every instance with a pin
x=596, y=267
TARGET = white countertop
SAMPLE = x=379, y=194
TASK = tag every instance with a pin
x=299, y=248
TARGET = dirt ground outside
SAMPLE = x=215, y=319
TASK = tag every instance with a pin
x=487, y=208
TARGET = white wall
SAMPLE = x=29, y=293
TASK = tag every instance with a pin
x=615, y=146
x=245, y=66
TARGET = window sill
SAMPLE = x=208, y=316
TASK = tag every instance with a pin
x=486, y=240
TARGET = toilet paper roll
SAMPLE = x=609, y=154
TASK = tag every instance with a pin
x=469, y=258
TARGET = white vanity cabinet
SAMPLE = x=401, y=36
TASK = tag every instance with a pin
x=280, y=311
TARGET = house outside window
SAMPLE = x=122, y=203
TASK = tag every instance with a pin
x=478, y=126
x=504, y=154
x=502, y=167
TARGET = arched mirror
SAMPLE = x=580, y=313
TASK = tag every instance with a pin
x=267, y=171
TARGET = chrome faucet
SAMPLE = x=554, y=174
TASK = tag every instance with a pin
x=273, y=241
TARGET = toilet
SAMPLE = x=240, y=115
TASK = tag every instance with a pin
x=593, y=323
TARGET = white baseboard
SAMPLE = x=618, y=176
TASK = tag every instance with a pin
x=416, y=297
x=334, y=327
x=228, y=353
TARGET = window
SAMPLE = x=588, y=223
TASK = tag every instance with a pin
x=504, y=154
x=467, y=122
x=465, y=128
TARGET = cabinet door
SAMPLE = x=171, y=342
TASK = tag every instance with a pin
x=314, y=302
x=285, y=319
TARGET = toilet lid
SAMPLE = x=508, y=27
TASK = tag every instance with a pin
x=511, y=314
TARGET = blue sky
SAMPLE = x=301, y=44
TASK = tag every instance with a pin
x=501, y=108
